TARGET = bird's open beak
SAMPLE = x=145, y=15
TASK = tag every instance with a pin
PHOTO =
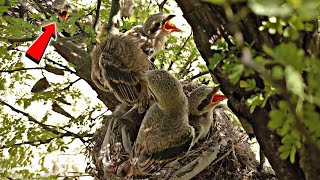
x=63, y=15
x=169, y=26
x=217, y=97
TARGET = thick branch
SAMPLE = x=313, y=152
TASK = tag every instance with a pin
x=83, y=68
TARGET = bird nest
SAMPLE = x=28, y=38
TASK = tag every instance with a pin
x=224, y=154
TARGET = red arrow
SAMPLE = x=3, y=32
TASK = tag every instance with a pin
x=36, y=50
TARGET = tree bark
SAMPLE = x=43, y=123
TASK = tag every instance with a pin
x=209, y=22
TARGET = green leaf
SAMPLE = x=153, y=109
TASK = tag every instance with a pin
x=249, y=84
x=294, y=81
x=40, y=85
x=214, y=61
x=54, y=70
x=277, y=72
x=236, y=72
x=285, y=154
x=293, y=154
x=284, y=147
x=276, y=119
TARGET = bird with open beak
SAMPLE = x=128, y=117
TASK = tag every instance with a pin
x=153, y=32
x=119, y=66
x=201, y=103
x=62, y=9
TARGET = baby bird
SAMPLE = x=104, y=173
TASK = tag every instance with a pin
x=153, y=32
x=201, y=103
x=119, y=64
x=165, y=133
x=62, y=8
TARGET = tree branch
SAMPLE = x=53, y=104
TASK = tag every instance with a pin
x=30, y=118
x=97, y=14
x=199, y=75
x=13, y=40
x=83, y=68
x=42, y=9
x=114, y=17
x=21, y=69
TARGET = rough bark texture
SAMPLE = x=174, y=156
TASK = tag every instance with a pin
x=209, y=22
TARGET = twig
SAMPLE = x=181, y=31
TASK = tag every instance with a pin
x=161, y=5
x=30, y=118
x=44, y=126
x=66, y=68
x=21, y=69
x=71, y=84
x=180, y=51
x=42, y=9
x=13, y=40
x=32, y=143
x=199, y=75
x=198, y=165
x=97, y=14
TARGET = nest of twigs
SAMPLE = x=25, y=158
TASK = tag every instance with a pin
x=224, y=154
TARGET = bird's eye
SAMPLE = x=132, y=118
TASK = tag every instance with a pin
x=158, y=24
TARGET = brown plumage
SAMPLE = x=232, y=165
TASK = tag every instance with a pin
x=201, y=103
x=165, y=133
x=153, y=32
x=118, y=64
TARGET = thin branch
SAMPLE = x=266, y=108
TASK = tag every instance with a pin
x=21, y=69
x=180, y=51
x=44, y=126
x=66, y=68
x=32, y=143
x=199, y=75
x=42, y=9
x=114, y=17
x=97, y=14
x=30, y=118
x=71, y=84
x=161, y=5
x=13, y=40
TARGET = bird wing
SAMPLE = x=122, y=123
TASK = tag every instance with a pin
x=147, y=162
x=148, y=154
x=123, y=82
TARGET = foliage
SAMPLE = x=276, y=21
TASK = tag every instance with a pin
x=286, y=70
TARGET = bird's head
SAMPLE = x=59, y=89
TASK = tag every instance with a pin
x=166, y=89
x=204, y=99
x=63, y=11
x=159, y=24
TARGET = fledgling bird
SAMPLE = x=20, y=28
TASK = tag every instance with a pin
x=153, y=32
x=165, y=133
x=118, y=65
x=62, y=9
x=201, y=103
